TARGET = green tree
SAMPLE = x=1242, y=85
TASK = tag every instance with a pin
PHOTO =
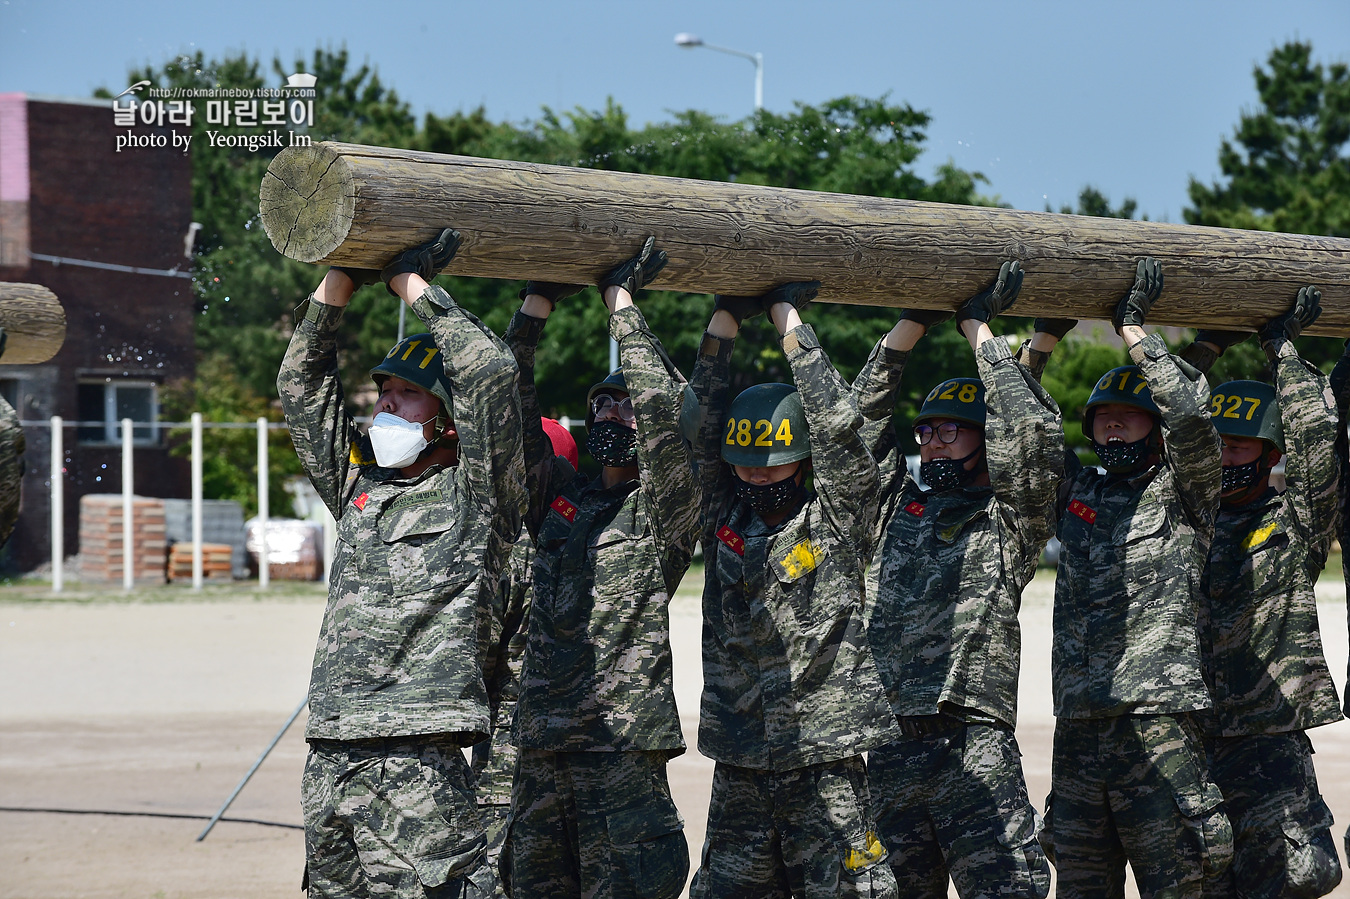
x=1286, y=167
x=1092, y=201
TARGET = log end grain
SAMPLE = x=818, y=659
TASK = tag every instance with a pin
x=34, y=323
x=307, y=202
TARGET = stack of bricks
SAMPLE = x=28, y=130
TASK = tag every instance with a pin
x=101, y=538
x=217, y=561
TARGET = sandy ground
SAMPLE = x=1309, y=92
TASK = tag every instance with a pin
x=157, y=705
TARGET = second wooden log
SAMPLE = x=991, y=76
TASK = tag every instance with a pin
x=34, y=323
x=347, y=204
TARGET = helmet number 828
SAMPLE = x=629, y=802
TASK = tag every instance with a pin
x=744, y=432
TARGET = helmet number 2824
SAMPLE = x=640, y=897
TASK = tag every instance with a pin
x=744, y=432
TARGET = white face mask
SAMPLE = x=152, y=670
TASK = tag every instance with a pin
x=397, y=442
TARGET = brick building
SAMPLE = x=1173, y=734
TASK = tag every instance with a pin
x=108, y=232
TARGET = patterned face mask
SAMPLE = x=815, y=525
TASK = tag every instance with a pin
x=1237, y=478
x=1119, y=458
x=946, y=474
x=612, y=444
x=766, y=498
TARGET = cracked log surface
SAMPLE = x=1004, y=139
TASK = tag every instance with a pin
x=34, y=323
x=353, y=205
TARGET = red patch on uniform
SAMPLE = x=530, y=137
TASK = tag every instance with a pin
x=360, y=501
x=733, y=540
x=564, y=508
x=915, y=509
x=1083, y=512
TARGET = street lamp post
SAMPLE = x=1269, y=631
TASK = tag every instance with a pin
x=690, y=41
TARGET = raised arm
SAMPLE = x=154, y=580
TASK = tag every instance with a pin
x=711, y=381
x=311, y=392
x=1309, y=416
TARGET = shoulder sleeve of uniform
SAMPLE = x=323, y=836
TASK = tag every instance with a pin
x=310, y=389
x=1190, y=441
x=1024, y=443
x=665, y=464
x=846, y=476
x=1308, y=414
x=711, y=381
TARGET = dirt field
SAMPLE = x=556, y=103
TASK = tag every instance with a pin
x=158, y=704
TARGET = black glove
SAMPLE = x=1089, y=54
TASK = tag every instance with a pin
x=994, y=299
x=798, y=293
x=1056, y=327
x=637, y=272
x=360, y=276
x=1307, y=307
x=426, y=259
x=1221, y=339
x=551, y=291
x=741, y=308
x=926, y=317
x=1148, y=284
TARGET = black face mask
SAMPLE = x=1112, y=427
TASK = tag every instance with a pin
x=947, y=474
x=766, y=498
x=612, y=444
x=1119, y=458
x=1238, y=478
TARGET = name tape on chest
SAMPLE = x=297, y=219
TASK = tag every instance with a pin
x=416, y=499
x=564, y=507
x=734, y=541
x=1083, y=512
x=915, y=509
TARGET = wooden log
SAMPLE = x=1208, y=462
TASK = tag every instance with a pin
x=347, y=204
x=34, y=323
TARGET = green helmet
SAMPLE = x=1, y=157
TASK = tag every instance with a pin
x=1124, y=385
x=1247, y=409
x=765, y=426
x=417, y=359
x=960, y=399
x=613, y=381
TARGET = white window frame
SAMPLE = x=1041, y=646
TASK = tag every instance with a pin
x=112, y=424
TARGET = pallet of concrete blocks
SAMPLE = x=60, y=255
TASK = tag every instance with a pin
x=101, y=538
x=217, y=561
x=294, y=548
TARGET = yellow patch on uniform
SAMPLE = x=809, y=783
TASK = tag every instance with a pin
x=356, y=457
x=858, y=860
x=803, y=557
x=1258, y=536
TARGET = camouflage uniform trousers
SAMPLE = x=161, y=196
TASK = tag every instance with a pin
x=806, y=833
x=599, y=825
x=950, y=799
x=392, y=818
x=1134, y=788
x=1282, y=843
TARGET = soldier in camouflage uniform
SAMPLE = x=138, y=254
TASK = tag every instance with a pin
x=1340, y=388
x=949, y=795
x=494, y=760
x=1129, y=779
x=791, y=694
x=427, y=506
x=11, y=462
x=1267, y=674
x=596, y=722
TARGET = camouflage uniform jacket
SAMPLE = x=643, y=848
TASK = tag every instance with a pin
x=404, y=637
x=1267, y=670
x=494, y=760
x=11, y=468
x=788, y=674
x=951, y=566
x=597, y=670
x=1127, y=594
x=1340, y=388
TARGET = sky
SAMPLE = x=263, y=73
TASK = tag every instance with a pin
x=1041, y=97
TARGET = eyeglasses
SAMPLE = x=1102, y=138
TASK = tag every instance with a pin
x=946, y=433
x=604, y=402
